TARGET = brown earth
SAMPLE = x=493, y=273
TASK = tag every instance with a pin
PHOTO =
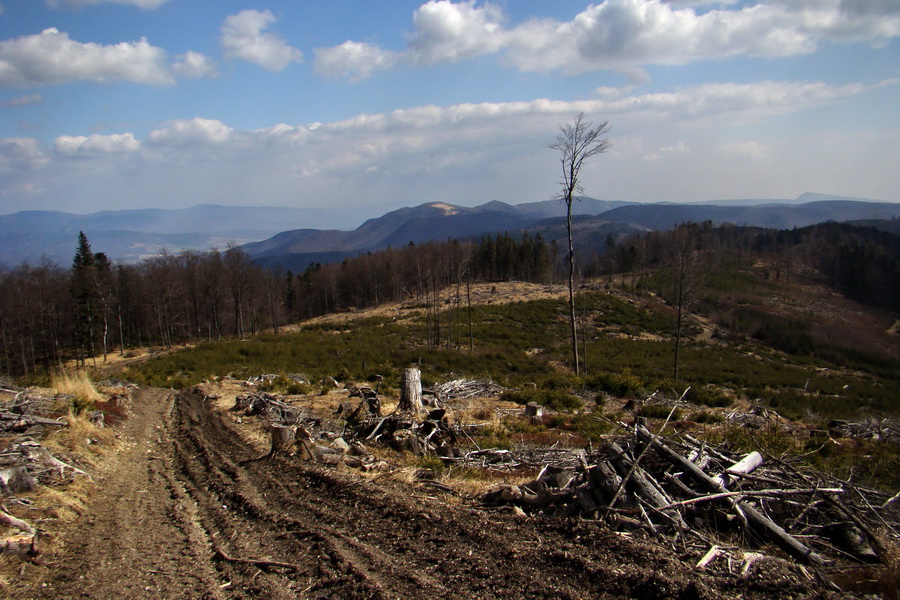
x=188, y=490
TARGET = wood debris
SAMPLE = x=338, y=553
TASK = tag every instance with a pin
x=645, y=482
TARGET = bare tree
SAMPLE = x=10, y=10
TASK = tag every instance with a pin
x=576, y=142
x=686, y=270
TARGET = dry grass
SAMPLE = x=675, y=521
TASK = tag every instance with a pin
x=82, y=441
x=74, y=383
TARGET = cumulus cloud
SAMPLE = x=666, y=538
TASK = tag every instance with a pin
x=52, y=58
x=95, y=145
x=449, y=32
x=145, y=4
x=243, y=38
x=31, y=100
x=194, y=65
x=195, y=132
x=622, y=34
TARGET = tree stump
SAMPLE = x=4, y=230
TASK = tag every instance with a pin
x=411, y=391
x=282, y=438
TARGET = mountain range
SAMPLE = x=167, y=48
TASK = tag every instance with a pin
x=276, y=236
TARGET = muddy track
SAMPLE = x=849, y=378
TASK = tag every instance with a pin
x=188, y=493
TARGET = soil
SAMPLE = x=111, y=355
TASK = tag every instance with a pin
x=188, y=499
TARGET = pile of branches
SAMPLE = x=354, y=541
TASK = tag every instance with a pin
x=689, y=493
x=269, y=407
x=407, y=432
x=25, y=462
x=870, y=429
x=464, y=389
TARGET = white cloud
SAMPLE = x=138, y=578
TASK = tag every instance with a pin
x=95, y=145
x=194, y=65
x=145, y=4
x=354, y=60
x=52, y=58
x=706, y=141
x=195, y=132
x=623, y=34
x=21, y=154
x=243, y=38
x=30, y=100
x=449, y=32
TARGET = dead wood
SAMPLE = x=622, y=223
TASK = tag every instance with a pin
x=11, y=521
x=262, y=564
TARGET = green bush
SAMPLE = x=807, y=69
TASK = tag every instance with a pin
x=658, y=411
x=708, y=397
x=592, y=426
x=706, y=417
x=621, y=385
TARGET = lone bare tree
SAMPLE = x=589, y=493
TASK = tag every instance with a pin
x=577, y=141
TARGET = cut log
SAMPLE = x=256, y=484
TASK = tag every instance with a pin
x=411, y=391
x=746, y=465
x=604, y=481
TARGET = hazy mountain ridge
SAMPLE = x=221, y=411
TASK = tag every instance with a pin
x=281, y=235
x=130, y=235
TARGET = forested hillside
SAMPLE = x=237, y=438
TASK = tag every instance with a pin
x=94, y=307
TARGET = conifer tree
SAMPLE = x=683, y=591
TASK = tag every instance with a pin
x=86, y=296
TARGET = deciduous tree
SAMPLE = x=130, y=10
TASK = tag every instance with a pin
x=576, y=142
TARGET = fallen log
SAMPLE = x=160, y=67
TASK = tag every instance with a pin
x=754, y=494
x=11, y=521
x=10, y=420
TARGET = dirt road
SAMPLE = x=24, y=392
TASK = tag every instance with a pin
x=184, y=505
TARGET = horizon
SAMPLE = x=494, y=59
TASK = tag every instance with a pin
x=365, y=109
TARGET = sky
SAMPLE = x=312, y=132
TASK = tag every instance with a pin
x=361, y=107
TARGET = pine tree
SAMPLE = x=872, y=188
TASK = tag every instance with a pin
x=86, y=295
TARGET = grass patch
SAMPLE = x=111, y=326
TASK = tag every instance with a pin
x=77, y=386
x=559, y=400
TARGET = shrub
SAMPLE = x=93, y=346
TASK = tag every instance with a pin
x=707, y=417
x=622, y=385
x=592, y=426
x=708, y=397
x=659, y=411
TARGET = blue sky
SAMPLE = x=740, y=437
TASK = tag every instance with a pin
x=364, y=107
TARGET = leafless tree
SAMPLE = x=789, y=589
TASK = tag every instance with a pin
x=577, y=141
x=687, y=271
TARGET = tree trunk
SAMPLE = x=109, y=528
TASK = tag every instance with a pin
x=411, y=391
x=572, y=284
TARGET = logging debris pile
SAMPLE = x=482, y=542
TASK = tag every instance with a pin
x=699, y=499
x=691, y=495
x=26, y=419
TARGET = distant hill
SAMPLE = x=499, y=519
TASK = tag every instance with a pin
x=289, y=239
x=777, y=216
x=130, y=235
x=596, y=220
